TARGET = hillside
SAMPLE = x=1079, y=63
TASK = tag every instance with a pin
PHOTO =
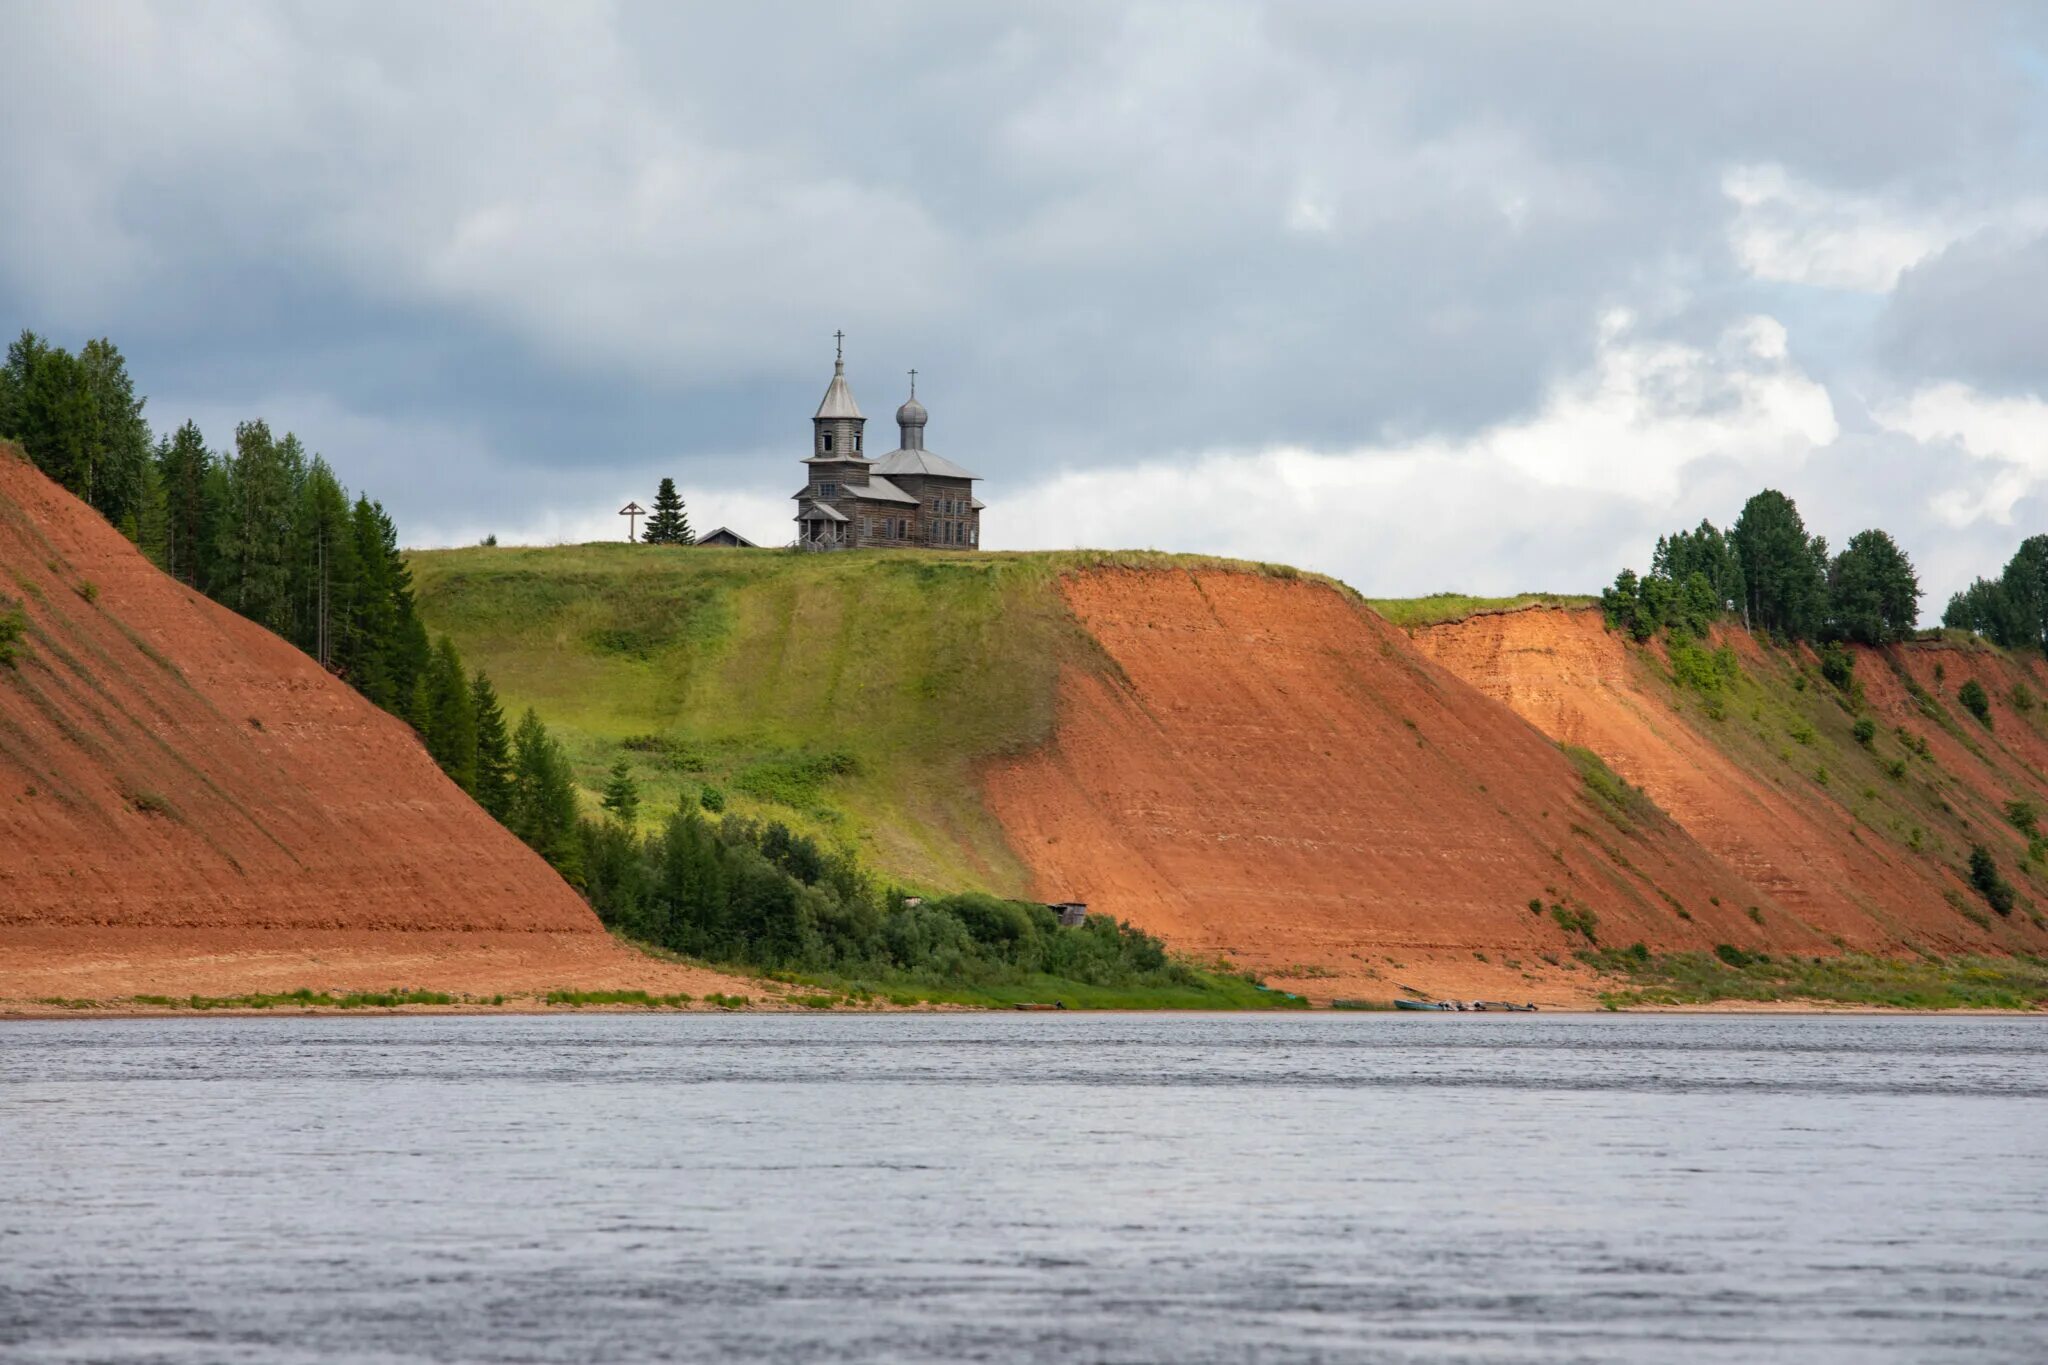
x=1862, y=845
x=189, y=805
x=1244, y=759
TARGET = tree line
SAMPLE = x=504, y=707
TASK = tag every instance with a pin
x=1779, y=579
x=734, y=890
x=2011, y=609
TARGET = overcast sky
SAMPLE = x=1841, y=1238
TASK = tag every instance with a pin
x=1435, y=295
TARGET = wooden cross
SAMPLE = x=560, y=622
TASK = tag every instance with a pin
x=913, y=383
x=629, y=512
x=839, y=348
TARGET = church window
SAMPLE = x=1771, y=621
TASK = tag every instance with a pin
x=856, y=441
x=825, y=442
x=828, y=490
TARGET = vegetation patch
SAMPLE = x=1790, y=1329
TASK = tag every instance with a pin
x=304, y=999
x=1728, y=973
x=13, y=625
x=1624, y=806
x=578, y=999
x=1443, y=607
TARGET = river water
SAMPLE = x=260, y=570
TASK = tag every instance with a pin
x=1012, y=1187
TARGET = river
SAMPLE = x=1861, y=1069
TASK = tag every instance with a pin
x=1024, y=1187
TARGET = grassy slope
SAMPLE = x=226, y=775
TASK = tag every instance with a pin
x=1439, y=607
x=850, y=695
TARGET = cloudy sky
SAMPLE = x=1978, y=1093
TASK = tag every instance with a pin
x=1473, y=295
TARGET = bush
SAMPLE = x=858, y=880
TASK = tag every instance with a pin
x=12, y=627
x=2022, y=814
x=1838, y=666
x=1984, y=875
x=1976, y=701
x=2022, y=698
x=1865, y=731
x=1579, y=921
x=711, y=799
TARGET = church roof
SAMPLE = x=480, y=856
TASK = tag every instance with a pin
x=920, y=462
x=818, y=511
x=838, y=401
x=879, y=490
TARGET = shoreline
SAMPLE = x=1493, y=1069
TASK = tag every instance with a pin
x=26, y=1011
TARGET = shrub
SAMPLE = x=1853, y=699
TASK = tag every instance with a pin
x=2022, y=814
x=1756, y=914
x=1984, y=875
x=12, y=626
x=1732, y=955
x=1576, y=921
x=90, y=591
x=1704, y=671
x=1865, y=731
x=1976, y=701
x=711, y=799
x=1535, y=905
x=1838, y=666
x=2022, y=698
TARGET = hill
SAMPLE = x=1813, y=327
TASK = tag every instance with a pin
x=189, y=805
x=1857, y=842
x=1242, y=758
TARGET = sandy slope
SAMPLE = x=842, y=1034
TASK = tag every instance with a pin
x=1272, y=772
x=187, y=803
x=1834, y=858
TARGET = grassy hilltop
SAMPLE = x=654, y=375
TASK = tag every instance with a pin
x=848, y=695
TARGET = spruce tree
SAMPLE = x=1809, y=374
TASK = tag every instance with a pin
x=622, y=795
x=493, y=787
x=544, y=805
x=256, y=540
x=450, y=715
x=667, y=524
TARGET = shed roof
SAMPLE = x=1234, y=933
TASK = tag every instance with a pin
x=818, y=511
x=879, y=489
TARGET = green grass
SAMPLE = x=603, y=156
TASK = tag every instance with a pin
x=1211, y=991
x=2017, y=983
x=1441, y=607
x=576, y=999
x=852, y=696
x=302, y=998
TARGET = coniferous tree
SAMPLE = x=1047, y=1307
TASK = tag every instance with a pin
x=256, y=535
x=323, y=565
x=493, y=788
x=544, y=806
x=366, y=649
x=190, y=534
x=667, y=524
x=119, y=445
x=622, y=794
x=450, y=730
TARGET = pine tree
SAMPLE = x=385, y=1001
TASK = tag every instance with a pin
x=119, y=449
x=493, y=786
x=366, y=647
x=622, y=795
x=183, y=464
x=667, y=524
x=450, y=715
x=544, y=805
x=323, y=565
x=256, y=539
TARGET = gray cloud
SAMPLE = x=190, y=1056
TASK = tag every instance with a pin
x=1976, y=312
x=540, y=249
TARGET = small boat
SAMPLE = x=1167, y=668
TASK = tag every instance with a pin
x=1423, y=1005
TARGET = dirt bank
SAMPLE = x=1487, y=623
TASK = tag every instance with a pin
x=1269, y=771
x=1860, y=842
x=189, y=804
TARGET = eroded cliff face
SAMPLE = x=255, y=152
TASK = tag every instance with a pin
x=1266, y=770
x=189, y=804
x=1860, y=842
